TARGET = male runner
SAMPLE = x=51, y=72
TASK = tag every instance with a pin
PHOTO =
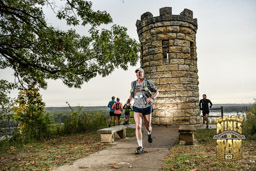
x=204, y=106
x=127, y=109
x=142, y=90
x=111, y=111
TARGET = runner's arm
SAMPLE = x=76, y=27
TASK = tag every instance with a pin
x=153, y=89
x=155, y=94
x=130, y=98
x=210, y=103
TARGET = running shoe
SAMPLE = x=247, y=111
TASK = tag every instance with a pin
x=150, y=140
x=139, y=150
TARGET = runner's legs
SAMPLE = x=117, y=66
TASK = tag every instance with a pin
x=206, y=118
x=110, y=120
x=115, y=120
x=119, y=119
x=138, y=122
x=147, y=122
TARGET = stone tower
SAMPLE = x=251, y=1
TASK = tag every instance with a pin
x=169, y=58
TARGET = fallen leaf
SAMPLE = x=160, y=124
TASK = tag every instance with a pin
x=58, y=157
x=82, y=167
x=113, y=163
x=115, y=167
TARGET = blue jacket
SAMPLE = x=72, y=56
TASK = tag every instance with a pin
x=110, y=104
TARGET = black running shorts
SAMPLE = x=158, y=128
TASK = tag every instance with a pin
x=111, y=113
x=205, y=112
x=144, y=111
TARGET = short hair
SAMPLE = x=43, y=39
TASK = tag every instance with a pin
x=113, y=97
x=204, y=94
x=117, y=99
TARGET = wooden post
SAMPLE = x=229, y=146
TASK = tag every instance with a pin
x=221, y=108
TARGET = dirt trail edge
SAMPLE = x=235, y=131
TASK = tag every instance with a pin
x=122, y=157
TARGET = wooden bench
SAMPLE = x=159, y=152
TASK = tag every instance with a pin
x=187, y=134
x=108, y=135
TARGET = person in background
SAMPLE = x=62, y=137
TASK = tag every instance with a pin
x=111, y=111
x=204, y=106
x=127, y=109
x=118, y=108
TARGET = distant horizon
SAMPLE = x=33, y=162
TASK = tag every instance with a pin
x=106, y=105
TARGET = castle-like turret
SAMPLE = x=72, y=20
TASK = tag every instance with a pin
x=169, y=58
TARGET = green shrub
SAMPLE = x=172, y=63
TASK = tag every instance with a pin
x=249, y=125
x=34, y=123
x=80, y=121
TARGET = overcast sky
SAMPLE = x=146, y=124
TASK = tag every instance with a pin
x=226, y=46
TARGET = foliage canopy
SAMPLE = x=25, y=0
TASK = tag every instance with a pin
x=37, y=51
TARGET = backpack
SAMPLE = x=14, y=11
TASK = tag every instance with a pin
x=111, y=103
x=117, y=106
x=144, y=86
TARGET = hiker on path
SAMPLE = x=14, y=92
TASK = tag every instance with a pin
x=127, y=109
x=144, y=93
x=204, y=106
x=118, y=108
x=111, y=111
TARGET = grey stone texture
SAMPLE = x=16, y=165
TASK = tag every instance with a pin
x=169, y=58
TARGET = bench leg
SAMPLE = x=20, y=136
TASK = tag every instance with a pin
x=187, y=137
x=107, y=138
x=122, y=133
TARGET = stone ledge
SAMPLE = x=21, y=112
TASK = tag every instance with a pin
x=111, y=130
x=187, y=128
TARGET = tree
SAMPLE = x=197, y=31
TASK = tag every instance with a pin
x=5, y=101
x=37, y=51
x=30, y=112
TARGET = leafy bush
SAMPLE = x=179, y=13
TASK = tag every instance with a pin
x=81, y=121
x=34, y=123
x=249, y=125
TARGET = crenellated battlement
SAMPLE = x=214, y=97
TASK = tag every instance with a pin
x=166, y=15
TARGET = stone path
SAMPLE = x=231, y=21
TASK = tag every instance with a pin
x=122, y=154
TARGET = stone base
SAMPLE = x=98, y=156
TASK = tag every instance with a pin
x=108, y=135
x=107, y=138
x=187, y=137
x=187, y=134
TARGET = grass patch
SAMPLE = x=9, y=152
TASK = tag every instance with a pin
x=52, y=153
x=130, y=132
x=202, y=156
x=49, y=154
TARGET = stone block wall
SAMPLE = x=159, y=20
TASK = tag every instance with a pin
x=169, y=58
